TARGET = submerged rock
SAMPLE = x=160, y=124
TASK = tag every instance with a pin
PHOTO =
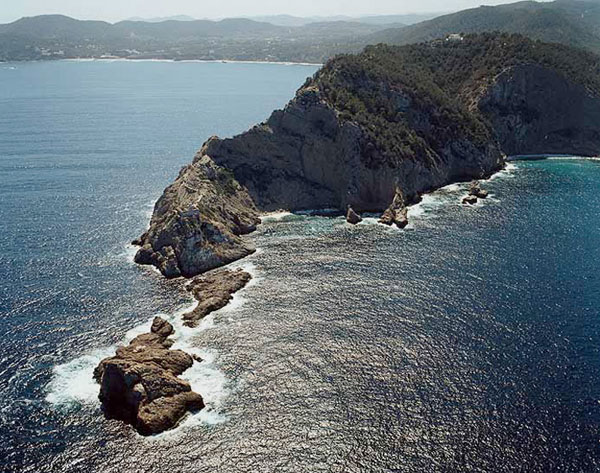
x=214, y=291
x=469, y=200
x=140, y=384
x=352, y=217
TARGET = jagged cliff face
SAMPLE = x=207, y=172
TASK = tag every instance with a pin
x=535, y=110
x=375, y=131
x=307, y=157
x=198, y=223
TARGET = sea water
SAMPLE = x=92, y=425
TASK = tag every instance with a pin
x=468, y=341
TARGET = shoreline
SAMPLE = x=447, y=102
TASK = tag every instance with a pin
x=183, y=333
x=541, y=157
x=175, y=61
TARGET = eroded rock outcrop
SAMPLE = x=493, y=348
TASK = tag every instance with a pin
x=469, y=200
x=198, y=222
x=475, y=190
x=140, y=384
x=214, y=291
x=396, y=213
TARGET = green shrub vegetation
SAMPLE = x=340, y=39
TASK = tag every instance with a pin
x=442, y=80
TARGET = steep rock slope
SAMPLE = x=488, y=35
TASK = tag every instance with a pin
x=198, y=222
x=378, y=129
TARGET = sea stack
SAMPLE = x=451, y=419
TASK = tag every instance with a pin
x=352, y=217
x=396, y=213
x=140, y=384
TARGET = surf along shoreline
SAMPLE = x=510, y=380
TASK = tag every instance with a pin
x=123, y=391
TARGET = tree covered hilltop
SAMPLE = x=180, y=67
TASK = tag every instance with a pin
x=571, y=22
x=445, y=77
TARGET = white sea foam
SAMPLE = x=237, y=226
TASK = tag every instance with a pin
x=508, y=172
x=73, y=384
x=129, y=252
x=275, y=216
x=148, y=210
x=430, y=203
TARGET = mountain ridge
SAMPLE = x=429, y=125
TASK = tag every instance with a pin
x=572, y=22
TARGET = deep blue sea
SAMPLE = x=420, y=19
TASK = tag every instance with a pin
x=468, y=342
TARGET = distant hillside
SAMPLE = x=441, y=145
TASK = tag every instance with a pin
x=571, y=22
x=162, y=18
x=404, y=19
x=57, y=36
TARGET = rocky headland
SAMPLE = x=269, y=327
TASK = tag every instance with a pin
x=368, y=133
x=373, y=132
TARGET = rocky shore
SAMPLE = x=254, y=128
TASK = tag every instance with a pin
x=475, y=193
x=214, y=291
x=140, y=384
x=368, y=133
x=372, y=133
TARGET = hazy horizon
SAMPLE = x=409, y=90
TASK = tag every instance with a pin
x=113, y=10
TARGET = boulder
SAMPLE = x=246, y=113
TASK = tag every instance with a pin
x=396, y=213
x=476, y=190
x=469, y=200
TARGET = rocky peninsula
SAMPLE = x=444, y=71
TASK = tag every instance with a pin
x=375, y=131
x=368, y=133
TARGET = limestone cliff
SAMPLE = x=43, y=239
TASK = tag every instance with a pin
x=375, y=131
x=307, y=157
x=536, y=110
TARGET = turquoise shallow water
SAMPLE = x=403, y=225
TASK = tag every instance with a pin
x=467, y=342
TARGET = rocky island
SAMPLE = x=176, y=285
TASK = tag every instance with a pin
x=140, y=384
x=368, y=133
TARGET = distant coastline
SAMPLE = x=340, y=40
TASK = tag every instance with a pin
x=226, y=61
x=126, y=59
